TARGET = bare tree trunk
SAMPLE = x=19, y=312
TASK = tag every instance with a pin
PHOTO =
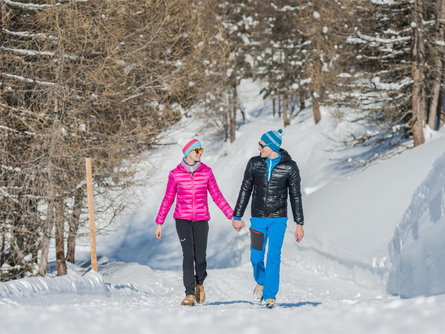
x=316, y=82
x=316, y=96
x=441, y=108
x=60, y=238
x=233, y=115
x=293, y=100
x=438, y=67
x=226, y=125
x=46, y=237
x=418, y=114
x=2, y=249
x=316, y=107
x=285, y=112
x=3, y=13
x=74, y=226
x=279, y=105
x=254, y=69
x=274, y=111
x=302, y=94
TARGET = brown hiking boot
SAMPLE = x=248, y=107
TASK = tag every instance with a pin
x=189, y=300
x=199, y=293
x=258, y=293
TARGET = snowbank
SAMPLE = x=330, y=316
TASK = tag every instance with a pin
x=26, y=288
x=417, y=250
x=349, y=224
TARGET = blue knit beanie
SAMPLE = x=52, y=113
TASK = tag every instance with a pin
x=273, y=139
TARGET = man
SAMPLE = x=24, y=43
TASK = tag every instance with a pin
x=271, y=176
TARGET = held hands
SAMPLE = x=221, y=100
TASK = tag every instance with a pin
x=299, y=233
x=158, y=231
x=237, y=224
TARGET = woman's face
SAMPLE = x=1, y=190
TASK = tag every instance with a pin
x=196, y=153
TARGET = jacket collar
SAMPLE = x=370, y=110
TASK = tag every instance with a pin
x=181, y=168
x=285, y=156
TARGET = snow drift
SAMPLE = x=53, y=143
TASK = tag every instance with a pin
x=91, y=283
x=350, y=223
x=417, y=250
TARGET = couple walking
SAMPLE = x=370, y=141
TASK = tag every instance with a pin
x=271, y=176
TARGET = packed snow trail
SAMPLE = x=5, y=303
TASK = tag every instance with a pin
x=308, y=302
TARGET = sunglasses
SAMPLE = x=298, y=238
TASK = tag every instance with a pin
x=261, y=145
x=199, y=150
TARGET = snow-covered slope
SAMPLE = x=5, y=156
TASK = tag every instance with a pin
x=417, y=250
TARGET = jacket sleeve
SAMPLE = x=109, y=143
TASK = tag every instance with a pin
x=245, y=191
x=218, y=197
x=295, y=194
x=168, y=200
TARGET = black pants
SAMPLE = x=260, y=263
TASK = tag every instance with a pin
x=193, y=238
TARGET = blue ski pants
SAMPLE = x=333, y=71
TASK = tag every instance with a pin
x=263, y=230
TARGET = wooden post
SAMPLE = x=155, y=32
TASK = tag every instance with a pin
x=91, y=212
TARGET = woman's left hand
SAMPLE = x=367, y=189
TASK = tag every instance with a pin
x=158, y=231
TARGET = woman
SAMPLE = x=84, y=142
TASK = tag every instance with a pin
x=189, y=181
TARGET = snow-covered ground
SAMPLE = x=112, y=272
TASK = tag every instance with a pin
x=372, y=238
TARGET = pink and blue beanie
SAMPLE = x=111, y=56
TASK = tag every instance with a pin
x=192, y=144
x=273, y=139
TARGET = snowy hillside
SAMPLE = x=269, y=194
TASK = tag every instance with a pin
x=371, y=236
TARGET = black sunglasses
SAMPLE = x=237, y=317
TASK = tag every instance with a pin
x=261, y=145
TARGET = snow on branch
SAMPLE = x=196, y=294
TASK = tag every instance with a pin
x=391, y=86
x=28, y=34
x=16, y=109
x=32, y=6
x=37, y=53
x=383, y=2
x=10, y=168
x=2, y=127
x=367, y=38
x=284, y=8
x=132, y=97
x=21, y=78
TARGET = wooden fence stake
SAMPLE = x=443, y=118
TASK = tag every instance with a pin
x=91, y=212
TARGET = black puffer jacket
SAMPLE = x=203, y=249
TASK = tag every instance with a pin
x=270, y=197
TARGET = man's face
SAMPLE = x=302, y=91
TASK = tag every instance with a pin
x=265, y=151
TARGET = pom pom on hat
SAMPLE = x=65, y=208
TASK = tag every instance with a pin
x=273, y=139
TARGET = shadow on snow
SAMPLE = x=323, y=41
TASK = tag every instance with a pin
x=282, y=305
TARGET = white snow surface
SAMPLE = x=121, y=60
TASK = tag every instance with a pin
x=372, y=259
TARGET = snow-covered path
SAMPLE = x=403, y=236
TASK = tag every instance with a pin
x=308, y=303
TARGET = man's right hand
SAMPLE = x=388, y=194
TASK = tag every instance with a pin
x=237, y=224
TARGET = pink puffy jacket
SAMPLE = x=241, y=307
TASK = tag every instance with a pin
x=191, y=202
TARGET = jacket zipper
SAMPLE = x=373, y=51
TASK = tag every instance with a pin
x=268, y=180
x=267, y=192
